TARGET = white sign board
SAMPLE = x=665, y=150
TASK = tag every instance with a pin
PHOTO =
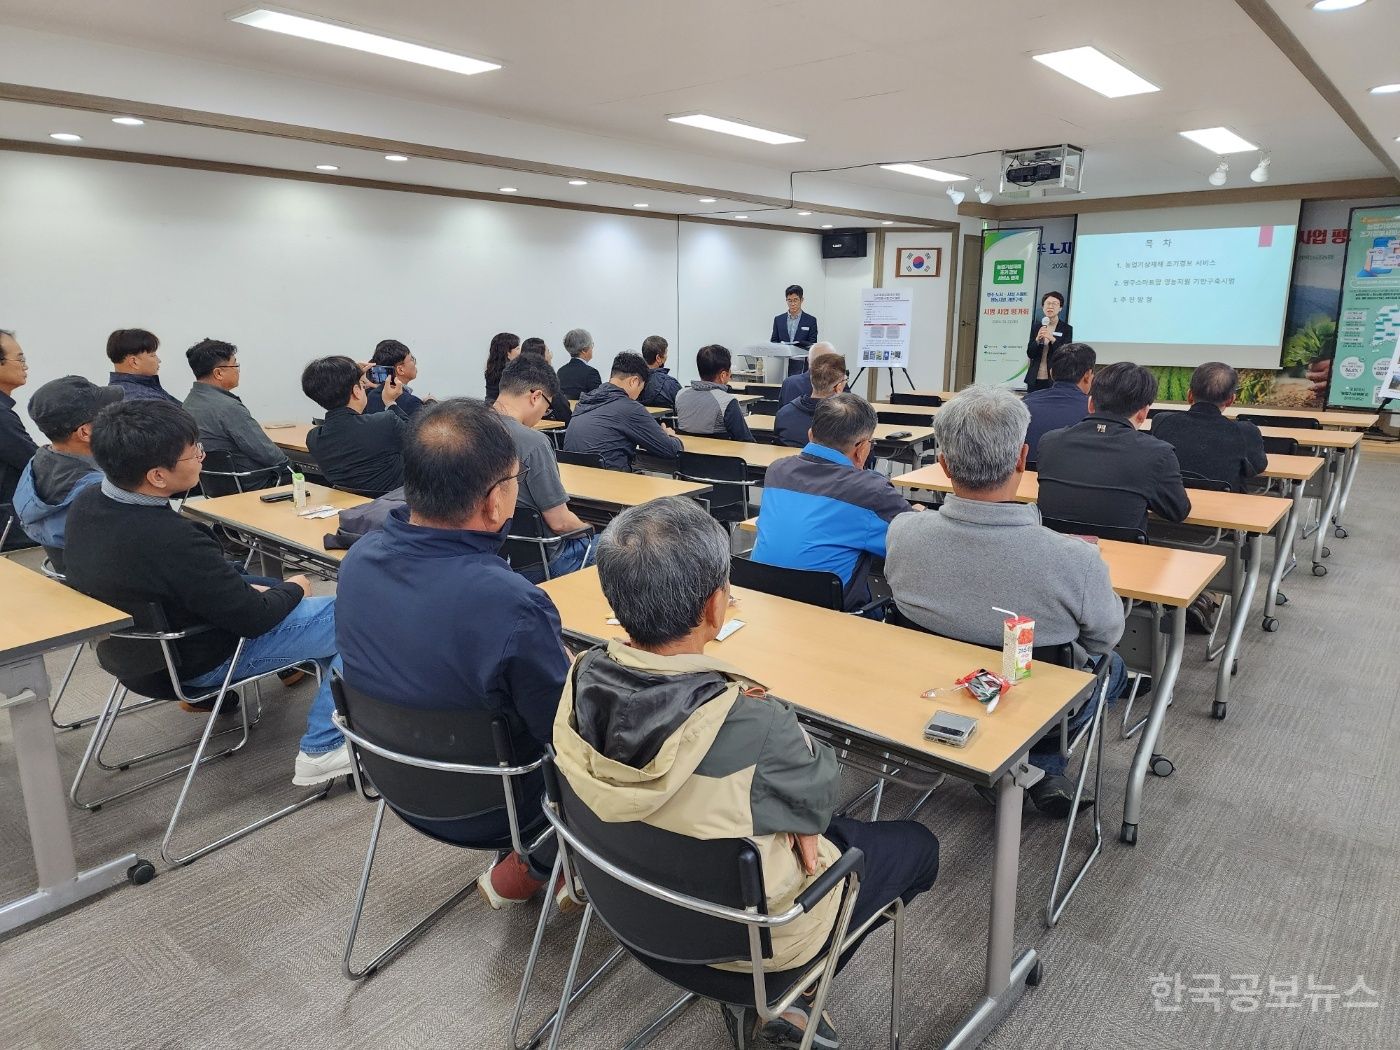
x=884, y=328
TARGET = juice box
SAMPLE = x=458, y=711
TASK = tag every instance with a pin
x=1017, y=641
x=299, y=491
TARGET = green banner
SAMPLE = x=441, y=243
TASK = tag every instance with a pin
x=1370, y=316
x=1005, y=314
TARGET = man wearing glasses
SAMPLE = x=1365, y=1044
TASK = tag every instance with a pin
x=431, y=618
x=225, y=424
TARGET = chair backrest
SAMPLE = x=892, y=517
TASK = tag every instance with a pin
x=522, y=546
x=765, y=407
x=1081, y=500
x=1061, y=655
x=901, y=420
x=475, y=738
x=1263, y=419
x=1281, y=446
x=7, y=521
x=725, y=473
x=143, y=665
x=217, y=476
x=1103, y=532
x=810, y=586
x=579, y=459
x=932, y=400
x=725, y=872
x=1192, y=480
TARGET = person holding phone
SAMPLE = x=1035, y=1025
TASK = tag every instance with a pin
x=392, y=358
x=356, y=452
x=1049, y=335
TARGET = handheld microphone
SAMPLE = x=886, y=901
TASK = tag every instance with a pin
x=1044, y=320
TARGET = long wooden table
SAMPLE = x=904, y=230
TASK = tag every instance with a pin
x=1327, y=417
x=877, y=710
x=291, y=437
x=916, y=435
x=757, y=455
x=41, y=615
x=618, y=490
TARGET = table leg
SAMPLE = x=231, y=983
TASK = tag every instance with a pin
x=1252, y=552
x=1283, y=551
x=1353, y=460
x=1147, y=743
x=24, y=692
x=1006, y=979
x=1335, y=471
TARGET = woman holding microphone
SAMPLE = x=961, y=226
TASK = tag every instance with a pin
x=1049, y=336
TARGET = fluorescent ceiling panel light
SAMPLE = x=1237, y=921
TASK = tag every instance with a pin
x=922, y=172
x=1095, y=70
x=128, y=122
x=578, y=182
x=398, y=158
x=1385, y=89
x=66, y=136
x=732, y=127
x=1335, y=5
x=359, y=40
x=1219, y=140
x=327, y=167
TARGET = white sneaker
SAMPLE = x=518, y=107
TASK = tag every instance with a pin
x=317, y=769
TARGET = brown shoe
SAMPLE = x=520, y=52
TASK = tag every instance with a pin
x=204, y=707
x=292, y=676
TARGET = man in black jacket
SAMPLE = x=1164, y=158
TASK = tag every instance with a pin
x=1207, y=442
x=358, y=452
x=127, y=547
x=578, y=377
x=609, y=423
x=1103, y=470
x=16, y=446
x=826, y=378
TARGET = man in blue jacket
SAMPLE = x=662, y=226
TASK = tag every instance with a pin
x=1066, y=400
x=63, y=409
x=136, y=365
x=432, y=618
x=609, y=422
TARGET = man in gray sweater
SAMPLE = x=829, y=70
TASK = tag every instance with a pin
x=225, y=424
x=947, y=571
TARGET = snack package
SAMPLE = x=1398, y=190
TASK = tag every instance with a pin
x=985, y=686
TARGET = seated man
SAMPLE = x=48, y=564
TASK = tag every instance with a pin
x=578, y=377
x=392, y=354
x=136, y=365
x=948, y=571
x=432, y=618
x=225, y=424
x=800, y=385
x=656, y=731
x=662, y=387
x=127, y=547
x=1066, y=400
x=355, y=452
x=609, y=423
x=1103, y=470
x=826, y=378
x=1208, y=442
x=559, y=409
x=59, y=472
x=706, y=407
x=527, y=385
x=822, y=509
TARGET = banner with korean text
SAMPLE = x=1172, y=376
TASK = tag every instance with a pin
x=1369, y=323
x=1006, y=302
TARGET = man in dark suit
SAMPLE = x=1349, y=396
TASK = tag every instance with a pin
x=796, y=326
x=1103, y=470
x=1207, y=442
x=1066, y=401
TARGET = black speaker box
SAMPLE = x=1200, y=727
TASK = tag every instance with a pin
x=843, y=244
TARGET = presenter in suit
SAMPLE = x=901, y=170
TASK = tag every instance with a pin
x=1049, y=335
x=796, y=326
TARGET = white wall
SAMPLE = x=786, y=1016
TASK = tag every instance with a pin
x=840, y=324
x=289, y=271
x=929, y=320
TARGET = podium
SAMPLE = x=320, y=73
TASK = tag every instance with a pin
x=776, y=359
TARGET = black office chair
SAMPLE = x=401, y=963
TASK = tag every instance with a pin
x=7, y=522
x=1263, y=419
x=903, y=420
x=1281, y=446
x=218, y=478
x=579, y=459
x=766, y=407
x=530, y=545
x=144, y=661
x=1193, y=480
x=679, y=904
x=899, y=398
x=729, y=477
x=809, y=586
x=1103, y=532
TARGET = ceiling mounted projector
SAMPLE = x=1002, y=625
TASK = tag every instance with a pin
x=1041, y=171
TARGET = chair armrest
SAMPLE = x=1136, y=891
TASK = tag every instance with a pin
x=871, y=606
x=853, y=860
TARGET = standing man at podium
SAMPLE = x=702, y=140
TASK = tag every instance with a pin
x=796, y=326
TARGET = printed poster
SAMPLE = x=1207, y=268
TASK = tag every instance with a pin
x=1006, y=303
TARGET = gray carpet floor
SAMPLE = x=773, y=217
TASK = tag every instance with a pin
x=1271, y=854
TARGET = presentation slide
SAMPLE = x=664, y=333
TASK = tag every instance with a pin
x=1181, y=286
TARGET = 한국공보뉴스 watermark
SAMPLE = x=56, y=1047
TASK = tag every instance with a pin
x=1248, y=993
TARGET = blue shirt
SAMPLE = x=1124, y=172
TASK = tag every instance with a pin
x=1054, y=407
x=436, y=619
x=820, y=512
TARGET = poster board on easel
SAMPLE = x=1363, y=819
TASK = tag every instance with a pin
x=885, y=331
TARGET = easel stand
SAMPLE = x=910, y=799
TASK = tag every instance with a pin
x=872, y=385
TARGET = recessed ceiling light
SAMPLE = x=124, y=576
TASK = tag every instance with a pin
x=741, y=216
x=396, y=157
x=66, y=136
x=327, y=167
x=733, y=127
x=804, y=214
x=641, y=205
x=1095, y=70
x=1335, y=5
x=707, y=200
x=923, y=172
x=508, y=189
x=887, y=222
x=1385, y=89
x=828, y=225
x=578, y=182
x=357, y=39
x=1219, y=140
x=129, y=122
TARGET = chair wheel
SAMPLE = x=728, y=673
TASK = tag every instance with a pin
x=1217, y=710
x=1319, y=570
x=1037, y=973
x=140, y=873
x=1128, y=834
x=1339, y=532
x=1162, y=766
x=1271, y=624
x=1280, y=598
x=1326, y=551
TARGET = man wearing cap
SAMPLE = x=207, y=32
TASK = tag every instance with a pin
x=64, y=410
